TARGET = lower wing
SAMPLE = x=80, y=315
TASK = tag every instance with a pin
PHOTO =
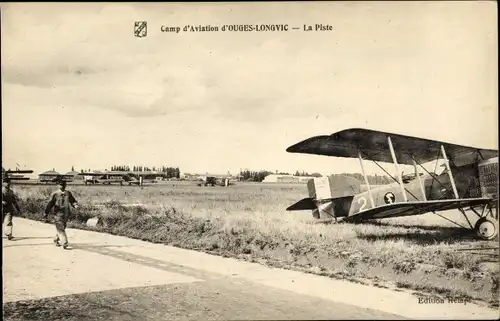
x=416, y=208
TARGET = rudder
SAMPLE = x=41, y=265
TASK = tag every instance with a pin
x=329, y=196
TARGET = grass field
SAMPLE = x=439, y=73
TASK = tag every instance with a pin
x=249, y=221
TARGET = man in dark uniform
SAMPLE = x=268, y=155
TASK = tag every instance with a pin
x=9, y=203
x=60, y=201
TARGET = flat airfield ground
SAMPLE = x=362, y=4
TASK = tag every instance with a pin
x=248, y=221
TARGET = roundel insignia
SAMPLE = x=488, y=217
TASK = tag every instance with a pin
x=389, y=198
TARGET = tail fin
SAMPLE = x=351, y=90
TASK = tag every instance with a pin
x=329, y=196
x=341, y=185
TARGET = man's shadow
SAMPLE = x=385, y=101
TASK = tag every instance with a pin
x=20, y=238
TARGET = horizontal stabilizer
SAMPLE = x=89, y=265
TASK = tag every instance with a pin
x=303, y=204
x=416, y=208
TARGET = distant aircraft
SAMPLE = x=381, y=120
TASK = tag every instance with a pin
x=212, y=180
x=15, y=175
x=61, y=177
x=469, y=182
x=105, y=178
x=119, y=177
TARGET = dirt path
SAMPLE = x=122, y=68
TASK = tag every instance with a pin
x=106, y=277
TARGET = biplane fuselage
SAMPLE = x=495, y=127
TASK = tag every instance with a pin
x=465, y=178
x=15, y=175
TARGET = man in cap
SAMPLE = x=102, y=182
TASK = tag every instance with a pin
x=9, y=203
x=60, y=201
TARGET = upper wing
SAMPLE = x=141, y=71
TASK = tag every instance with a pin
x=115, y=173
x=90, y=174
x=216, y=176
x=21, y=171
x=416, y=208
x=374, y=146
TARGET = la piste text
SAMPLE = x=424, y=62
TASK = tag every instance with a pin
x=247, y=28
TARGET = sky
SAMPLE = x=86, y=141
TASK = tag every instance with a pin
x=78, y=89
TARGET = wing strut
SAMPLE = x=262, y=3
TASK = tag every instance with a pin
x=434, y=179
x=447, y=164
x=366, y=179
x=417, y=173
x=400, y=179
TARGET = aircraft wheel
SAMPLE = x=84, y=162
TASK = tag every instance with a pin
x=486, y=228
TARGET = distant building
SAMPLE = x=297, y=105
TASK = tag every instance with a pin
x=48, y=176
x=74, y=175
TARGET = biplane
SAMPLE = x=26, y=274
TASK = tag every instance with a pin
x=105, y=178
x=469, y=181
x=117, y=177
x=15, y=175
x=213, y=180
x=60, y=178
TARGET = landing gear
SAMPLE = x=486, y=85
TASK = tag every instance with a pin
x=486, y=228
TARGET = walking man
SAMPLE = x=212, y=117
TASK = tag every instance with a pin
x=60, y=201
x=9, y=202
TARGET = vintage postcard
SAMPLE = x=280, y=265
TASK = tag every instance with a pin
x=250, y=160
